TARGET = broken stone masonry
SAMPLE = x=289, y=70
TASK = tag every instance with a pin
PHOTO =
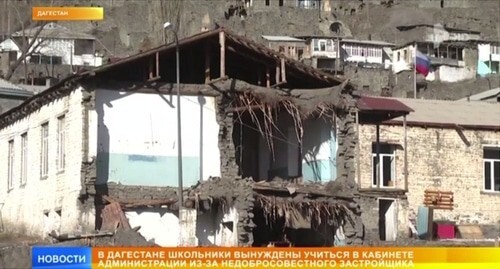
x=238, y=192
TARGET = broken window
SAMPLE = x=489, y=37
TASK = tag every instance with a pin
x=10, y=171
x=387, y=168
x=44, y=163
x=24, y=158
x=491, y=159
x=61, y=138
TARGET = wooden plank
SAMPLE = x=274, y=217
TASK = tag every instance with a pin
x=283, y=71
x=207, y=63
x=268, y=77
x=441, y=192
x=470, y=232
x=157, y=64
x=217, y=80
x=222, y=42
x=277, y=74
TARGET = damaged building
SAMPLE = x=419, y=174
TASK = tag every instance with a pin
x=262, y=136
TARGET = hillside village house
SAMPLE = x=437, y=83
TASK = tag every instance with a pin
x=292, y=47
x=56, y=45
x=452, y=146
x=367, y=53
x=451, y=61
x=69, y=147
x=489, y=58
x=434, y=33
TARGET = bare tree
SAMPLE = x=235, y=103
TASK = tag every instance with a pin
x=29, y=42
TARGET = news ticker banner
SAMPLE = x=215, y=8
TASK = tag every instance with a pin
x=67, y=13
x=214, y=257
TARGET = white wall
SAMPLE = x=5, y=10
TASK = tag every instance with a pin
x=24, y=206
x=137, y=135
x=163, y=227
x=454, y=74
x=403, y=63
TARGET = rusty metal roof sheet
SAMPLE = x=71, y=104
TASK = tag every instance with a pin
x=370, y=103
x=472, y=115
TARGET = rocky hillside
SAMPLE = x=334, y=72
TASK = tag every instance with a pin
x=133, y=25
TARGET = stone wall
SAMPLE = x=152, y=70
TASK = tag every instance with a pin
x=438, y=159
x=374, y=78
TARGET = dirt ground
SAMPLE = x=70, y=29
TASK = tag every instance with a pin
x=15, y=250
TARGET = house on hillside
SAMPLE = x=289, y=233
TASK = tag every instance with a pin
x=489, y=58
x=292, y=47
x=435, y=33
x=108, y=137
x=451, y=61
x=55, y=45
x=367, y=53
x=11, y=95
x=444, y=147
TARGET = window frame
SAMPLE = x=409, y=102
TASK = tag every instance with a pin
x=24, y=159
x=44, y=150
x=492, y=171
x=10, y=164
x=381, y=167
x=61, y=143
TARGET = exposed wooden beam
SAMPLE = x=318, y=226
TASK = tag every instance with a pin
x=222, y=42
x=217, y=80
x=207, y=63
x=268, y=77
x=250, y=57
x=283, y=71
x=158, y=64
x=279, y=84
x=277, y=74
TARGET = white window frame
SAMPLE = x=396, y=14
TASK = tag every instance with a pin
x=324, y=42
x=44, y=150
x=381, y=168
x=24, y=159
x=61, y=143
x=492, y=171
x=10, y=165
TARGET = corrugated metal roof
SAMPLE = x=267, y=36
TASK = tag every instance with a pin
x=483, y=95
x=452, y=113
x=53, y=30
x=282, y=38
x=370, y=103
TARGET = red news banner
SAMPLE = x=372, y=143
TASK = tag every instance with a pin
x=344, y=257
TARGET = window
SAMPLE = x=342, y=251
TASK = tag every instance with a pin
x=399, y=56
x=61, y=138
x=267, y=2
x=24, y=159
x=84, y=46
x=10, y=169
x=491, y=159
x=405, y=55
x=44, y=161
x=387, y=167
x=322, y=45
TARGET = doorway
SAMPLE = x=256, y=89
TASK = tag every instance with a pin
x=388, y=219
